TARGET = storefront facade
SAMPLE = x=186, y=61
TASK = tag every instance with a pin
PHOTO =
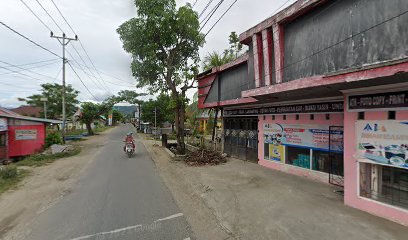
x=328, y=86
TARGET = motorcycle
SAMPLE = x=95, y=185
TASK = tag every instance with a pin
x=129, y=149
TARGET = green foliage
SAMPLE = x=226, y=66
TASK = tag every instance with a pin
x=9, y=182
x=53, y=138
x=165, y=110
x=164, y=43
x=116, y=116
x=216, y=59
x=192, y=113
x=43, y=159
x=53, y=92
x=130, y=97
x=8, y=172
x=92, y=111
x=210, y=123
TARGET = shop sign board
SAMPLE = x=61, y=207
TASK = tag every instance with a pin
x=3, y=124
x=26, y=134
x=300, y=108
x=378, y=101
x=312, y=136
x=383, y=142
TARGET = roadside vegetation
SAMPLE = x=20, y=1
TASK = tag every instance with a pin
x=10, y=176
x=40, y=159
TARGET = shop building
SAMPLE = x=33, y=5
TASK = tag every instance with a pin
x=323, y=93
x=20, y=135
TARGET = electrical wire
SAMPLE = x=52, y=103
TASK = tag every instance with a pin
x=28, y=39
x=209, y=16
x=49, y=15
x=80, y=79
x=205, y=8
x=219, y=19
x=24, y=69
x=195, y=3
x=29, y=68
x=38, y=18
x=69, y=25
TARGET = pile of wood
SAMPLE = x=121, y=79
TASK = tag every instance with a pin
x=204, y=157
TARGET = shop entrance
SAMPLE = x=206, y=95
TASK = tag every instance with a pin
x=241, y=138
x=336, y=140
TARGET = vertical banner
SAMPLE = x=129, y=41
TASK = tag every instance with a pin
x=383, y=142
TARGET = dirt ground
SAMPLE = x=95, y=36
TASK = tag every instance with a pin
x=44, y=187
x=242, y=200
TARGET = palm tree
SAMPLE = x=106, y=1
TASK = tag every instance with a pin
x=216, y=59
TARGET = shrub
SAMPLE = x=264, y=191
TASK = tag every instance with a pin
x=8, y=172
x=53, y=138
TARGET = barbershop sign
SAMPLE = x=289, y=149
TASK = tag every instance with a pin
x=380, y=100
x=301, y=108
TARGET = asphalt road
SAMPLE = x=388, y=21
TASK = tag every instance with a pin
x=116, y=198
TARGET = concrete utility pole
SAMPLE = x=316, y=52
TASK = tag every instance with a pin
x=44, y=99
x=64, y=40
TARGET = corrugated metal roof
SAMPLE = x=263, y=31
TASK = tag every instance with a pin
x=5, y=113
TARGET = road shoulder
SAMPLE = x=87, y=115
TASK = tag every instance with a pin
x=43, y=188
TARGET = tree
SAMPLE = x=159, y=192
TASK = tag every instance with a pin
x=164, y=42
x=164, y=106
x=53, y=92
x=132, y=98
x=116, y=116
x=93, y=111
x=216, y=59
x=192, y=114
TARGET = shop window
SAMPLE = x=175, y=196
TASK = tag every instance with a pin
x=3, y=140
x=392, y=115
x=299, y=157
x=297, y=117
x=311, y=116
x=284, y=117
x=327, y=162
x=384, y=184
x=361, y=116
x=327, y=116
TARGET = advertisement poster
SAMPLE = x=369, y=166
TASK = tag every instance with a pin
x=3, y=124
x=304, y=135
x=26, y=134
x=277, y=153
x=384, y=142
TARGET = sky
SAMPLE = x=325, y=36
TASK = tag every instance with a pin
x=107, y=70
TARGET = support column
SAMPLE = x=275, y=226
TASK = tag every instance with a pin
x=267, y=55
x=257, y=49
x=279, y=50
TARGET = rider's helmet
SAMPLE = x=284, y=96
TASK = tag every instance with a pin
x=129, y=134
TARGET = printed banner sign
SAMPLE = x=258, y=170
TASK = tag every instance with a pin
x=380, y=100
x=3, y=124
x=302, y=108
x=26, y=134
x=304, y=135
x=384, y=142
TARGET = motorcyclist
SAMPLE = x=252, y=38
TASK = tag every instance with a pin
x=129, y=139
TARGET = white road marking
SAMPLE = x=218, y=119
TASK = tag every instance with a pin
x=169, y=217
x=129, y=228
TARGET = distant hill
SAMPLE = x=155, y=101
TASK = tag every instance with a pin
x=126, y=110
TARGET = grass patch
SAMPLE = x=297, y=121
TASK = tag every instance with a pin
x=10, y=177
x=42, y=159
x=101, y=129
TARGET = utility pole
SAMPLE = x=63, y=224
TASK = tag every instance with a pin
x=44, y=99
x=64, y=40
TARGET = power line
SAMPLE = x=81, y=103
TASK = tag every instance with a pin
x=205, y=8
x=209, y=16
x=23, y=74
x=195, y=3
x=276, y=10
x=69, y=25
x=219, y=19
x=29, y=68
x=25, y=69
x=49, y=15
x=38, y=18
x=34, y=63
x=80, y=79
x=26, y=38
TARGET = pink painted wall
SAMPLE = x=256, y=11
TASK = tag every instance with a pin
x=351, y=197
x=335, y=119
